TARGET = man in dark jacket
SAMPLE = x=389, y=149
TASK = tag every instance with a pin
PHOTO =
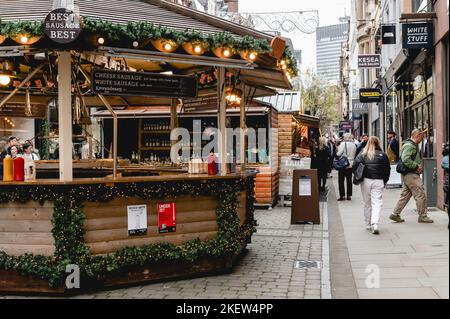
x=364, y=139
x=393, y=151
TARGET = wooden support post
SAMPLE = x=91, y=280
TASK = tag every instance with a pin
x=221, y=120
x=65, y=116
x=243, y=126
x=115, y=132
x=173, y=117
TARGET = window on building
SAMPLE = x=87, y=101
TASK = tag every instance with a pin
x=421, y=6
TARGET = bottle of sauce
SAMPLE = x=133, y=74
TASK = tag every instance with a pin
x=30, y=171
x=8, y=169
x=212, y=164
x=19, y=169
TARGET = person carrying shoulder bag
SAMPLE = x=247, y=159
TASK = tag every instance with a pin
x=373, y=179
x=346, y=151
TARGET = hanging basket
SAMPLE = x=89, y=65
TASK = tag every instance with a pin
x=163, y=45
x=2, y=39
x=190, y=47
x=221, y=52
x=30, y=40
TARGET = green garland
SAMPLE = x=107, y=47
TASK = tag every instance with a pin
x=142, y=31
x=68, y=231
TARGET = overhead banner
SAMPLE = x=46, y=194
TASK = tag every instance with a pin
x=370, y=95
x=389, y=34
x=418, y=35
x=62, y=26
x=122, y=83
x=359, y=108
x=369, y=61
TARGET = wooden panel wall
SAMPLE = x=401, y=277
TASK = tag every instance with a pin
x=285, y=134
x=107, y=230
x=26, y=228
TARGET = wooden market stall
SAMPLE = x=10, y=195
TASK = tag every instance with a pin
x=119, y=223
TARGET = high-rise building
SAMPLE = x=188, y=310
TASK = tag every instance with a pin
x=329, y=40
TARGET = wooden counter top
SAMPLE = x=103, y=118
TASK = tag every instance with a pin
x=143, y=179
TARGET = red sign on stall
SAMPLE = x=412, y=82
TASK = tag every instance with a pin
x=167, y=218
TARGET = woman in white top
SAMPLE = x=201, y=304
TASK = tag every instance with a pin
x=347, y=148
x=28, y=153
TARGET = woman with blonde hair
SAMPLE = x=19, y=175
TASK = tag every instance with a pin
x=375, y=175
x=321, y=162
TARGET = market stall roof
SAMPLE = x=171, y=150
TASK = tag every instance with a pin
x=285, y=102
x=159, y=12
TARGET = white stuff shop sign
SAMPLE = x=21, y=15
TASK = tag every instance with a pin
x=62, y=26
x=418, y=35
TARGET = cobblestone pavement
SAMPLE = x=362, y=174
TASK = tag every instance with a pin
x=266, y=272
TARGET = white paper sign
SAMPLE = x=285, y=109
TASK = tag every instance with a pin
x=137, y=220
x=305, y=186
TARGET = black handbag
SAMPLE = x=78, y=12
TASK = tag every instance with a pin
x=358, y=174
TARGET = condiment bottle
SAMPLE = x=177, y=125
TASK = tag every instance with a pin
x=30, y=171
x=212, y=168
x=19, y=169
x=8, y=169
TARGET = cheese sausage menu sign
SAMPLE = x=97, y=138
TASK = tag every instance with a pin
x=418, y=35
x=117, y=83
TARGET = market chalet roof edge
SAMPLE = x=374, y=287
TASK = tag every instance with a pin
x=159, y=12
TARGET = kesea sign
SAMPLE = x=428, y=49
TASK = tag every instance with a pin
x=388, y=34
x=62, y=26
x=369, y=61
x=38, y=111
x=124, y=83
x=418, y=35
x=167, y=218
x=370, y=95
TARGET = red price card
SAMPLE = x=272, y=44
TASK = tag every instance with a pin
x=167, y=217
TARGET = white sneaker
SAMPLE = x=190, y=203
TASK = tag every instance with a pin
x=375, y=229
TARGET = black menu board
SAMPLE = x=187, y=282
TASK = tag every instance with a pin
x=117, y=83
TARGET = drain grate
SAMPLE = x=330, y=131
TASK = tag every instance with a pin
x=307, y=264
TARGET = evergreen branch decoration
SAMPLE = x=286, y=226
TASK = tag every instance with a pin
x=68, y=228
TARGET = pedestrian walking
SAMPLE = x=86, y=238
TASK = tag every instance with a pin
x=444, y=165
x=362, y=145
x=376, y=172
x=411, y=167
x=348, y=149
x=333, y=151
x=393, y=151
x=321, y=162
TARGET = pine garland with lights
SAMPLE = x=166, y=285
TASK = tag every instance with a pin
x=68, y=230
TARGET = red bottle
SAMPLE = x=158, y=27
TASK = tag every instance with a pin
x=19, y=169
x=212, y=167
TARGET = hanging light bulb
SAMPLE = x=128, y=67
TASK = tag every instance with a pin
x=197, y=49
x=4, y=79
x=28, y=111
x=167, y=46
x=233, y=97
x=24, y=39
x=135, y=44
x=252, y=56
x=283, y=62
x=101, y=41
x=226, y=53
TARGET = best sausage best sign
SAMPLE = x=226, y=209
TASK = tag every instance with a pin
x=62, y=26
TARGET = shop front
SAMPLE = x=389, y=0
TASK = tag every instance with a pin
x=121, y=208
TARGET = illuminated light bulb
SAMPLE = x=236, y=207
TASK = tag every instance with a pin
x=24, y=39
x=226, y=52
x=167, y=47
x=252, y=56
x=284, y=67
x=101, y=40
x=4, y=80
x=198, y=49
x=283, y=62
x=135, y=44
